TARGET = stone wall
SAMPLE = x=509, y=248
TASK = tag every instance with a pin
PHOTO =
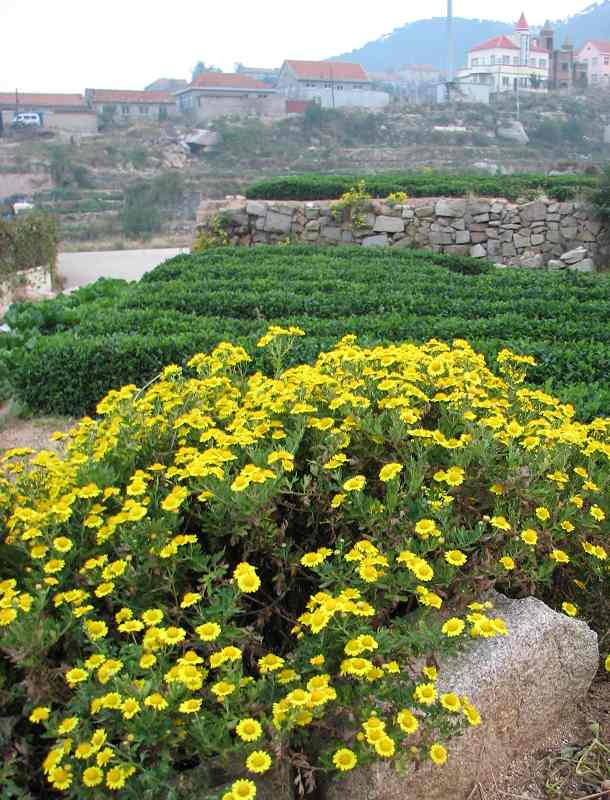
x=29, y=284
x=540, y=233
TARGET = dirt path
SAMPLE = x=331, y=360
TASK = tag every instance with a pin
x=34, y=433
x=79, y=269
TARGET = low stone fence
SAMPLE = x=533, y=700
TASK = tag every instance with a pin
x=540, y=233
x=25, y=285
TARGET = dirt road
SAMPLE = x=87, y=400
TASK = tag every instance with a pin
x=79, y=269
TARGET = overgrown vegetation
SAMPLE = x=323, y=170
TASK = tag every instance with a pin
x=234, y=579
x=27, y=241
x=111, y=333
x=423, y=184
x=145, y=201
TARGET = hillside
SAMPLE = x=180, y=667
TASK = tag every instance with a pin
x=424, y=41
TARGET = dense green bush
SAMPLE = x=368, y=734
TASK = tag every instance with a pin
x=425, y=184
x=113, y=333
x=145, y=200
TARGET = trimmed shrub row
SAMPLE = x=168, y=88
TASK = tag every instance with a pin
x=426, y=184
x=66, y=353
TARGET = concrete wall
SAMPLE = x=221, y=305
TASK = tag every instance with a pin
x=541, y=233
x=67, y=121
x=213, y=106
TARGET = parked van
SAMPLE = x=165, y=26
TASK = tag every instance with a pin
x=27, y=119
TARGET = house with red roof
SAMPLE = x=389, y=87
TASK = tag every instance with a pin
x=218, y=94
x=595, y=56
x=68, y=113
x=515, y=61
x=332, y=84
x=129, y=103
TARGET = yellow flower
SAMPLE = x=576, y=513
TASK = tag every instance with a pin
x=529, y=536
x=389, y=472
x=454, y=476
x=344, y=759
x=355, y=484
x=425, y=693
x=438, y=754
x=607, y=663
x=453, y=627
x=407, y=721
x=189, y=599
x=451, y=701
x=190, y=706
x=156, y=701
x=243, y=790
x=543, y=513
x=61, y=778
x=93, y=776
x=130, y=707
x=455, y=557
x=259, y=761
x=270, y=663
x=209, y=631
x=337, y=500
x=385, y=747
x=40, y=714
x=597, y=513
x=560, y=557
x=115, y=778
x=62, y=544
x=223, y=689
x=67, y=725
x=426, y=527
x=75, y=676
x=507, y=562
x=500, y=522
x=148, y=660
x=570, y=609
x=152, y=617
x=249, y=730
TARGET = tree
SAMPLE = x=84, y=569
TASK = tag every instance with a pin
x=201, y=67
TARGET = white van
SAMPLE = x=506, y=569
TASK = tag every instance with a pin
x=27, y=119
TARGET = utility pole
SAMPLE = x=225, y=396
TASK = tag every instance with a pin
x=450, y=43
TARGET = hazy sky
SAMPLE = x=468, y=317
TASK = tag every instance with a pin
x=67, y=45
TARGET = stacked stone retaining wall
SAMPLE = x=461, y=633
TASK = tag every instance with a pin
x=540, y=233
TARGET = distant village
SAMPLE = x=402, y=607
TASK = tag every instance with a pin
x=518, y=62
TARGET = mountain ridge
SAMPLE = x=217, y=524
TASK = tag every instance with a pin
x=424, y=41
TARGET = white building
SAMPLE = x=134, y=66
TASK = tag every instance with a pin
x=332, y=84
x=507, y=63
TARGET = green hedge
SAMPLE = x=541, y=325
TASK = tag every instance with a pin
x=66, y=353
x=331, y=187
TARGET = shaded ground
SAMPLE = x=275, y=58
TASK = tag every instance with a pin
x=34, y=432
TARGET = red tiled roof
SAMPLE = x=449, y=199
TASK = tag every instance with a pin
x=522, y=24
x=227, y=80
x=502, y=42
x=599, y=44
x=128, y=96
x=48, y=100
x=327, y=71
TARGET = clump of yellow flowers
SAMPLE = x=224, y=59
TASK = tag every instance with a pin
x=254, y=573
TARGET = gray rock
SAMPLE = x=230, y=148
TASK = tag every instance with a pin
x=532, y=262
x=384, y=224
x=450, y=208
x=457, y=250
x=586, y=265
x=537, y=239
x=408, y=212
x=424, y=211
x=573, y=256
x=533, y=212
x=462, y=237
x=375, y=241
x=256, y=209
x=331, y=232
x=277, y=223
x=526, y=686
x=520, y=240
x=513, y=132
x=555, y=264
x=478, y=251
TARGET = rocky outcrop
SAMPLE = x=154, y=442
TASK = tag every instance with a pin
x=526, y=686
x=536, y=234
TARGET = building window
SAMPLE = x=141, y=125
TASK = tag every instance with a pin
x=516, y=61
x=328, y=85
x=606, y=60
x=506, y=81
x=532, y=62
x=523, y=82
x=143, y=109
x=594, y=61
x=339, y=86
x=506, y=59
x=475, y=62
x=542, y=63
x=564, y=66
x=492, y=60
x=595, y=78
x=124, y=109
